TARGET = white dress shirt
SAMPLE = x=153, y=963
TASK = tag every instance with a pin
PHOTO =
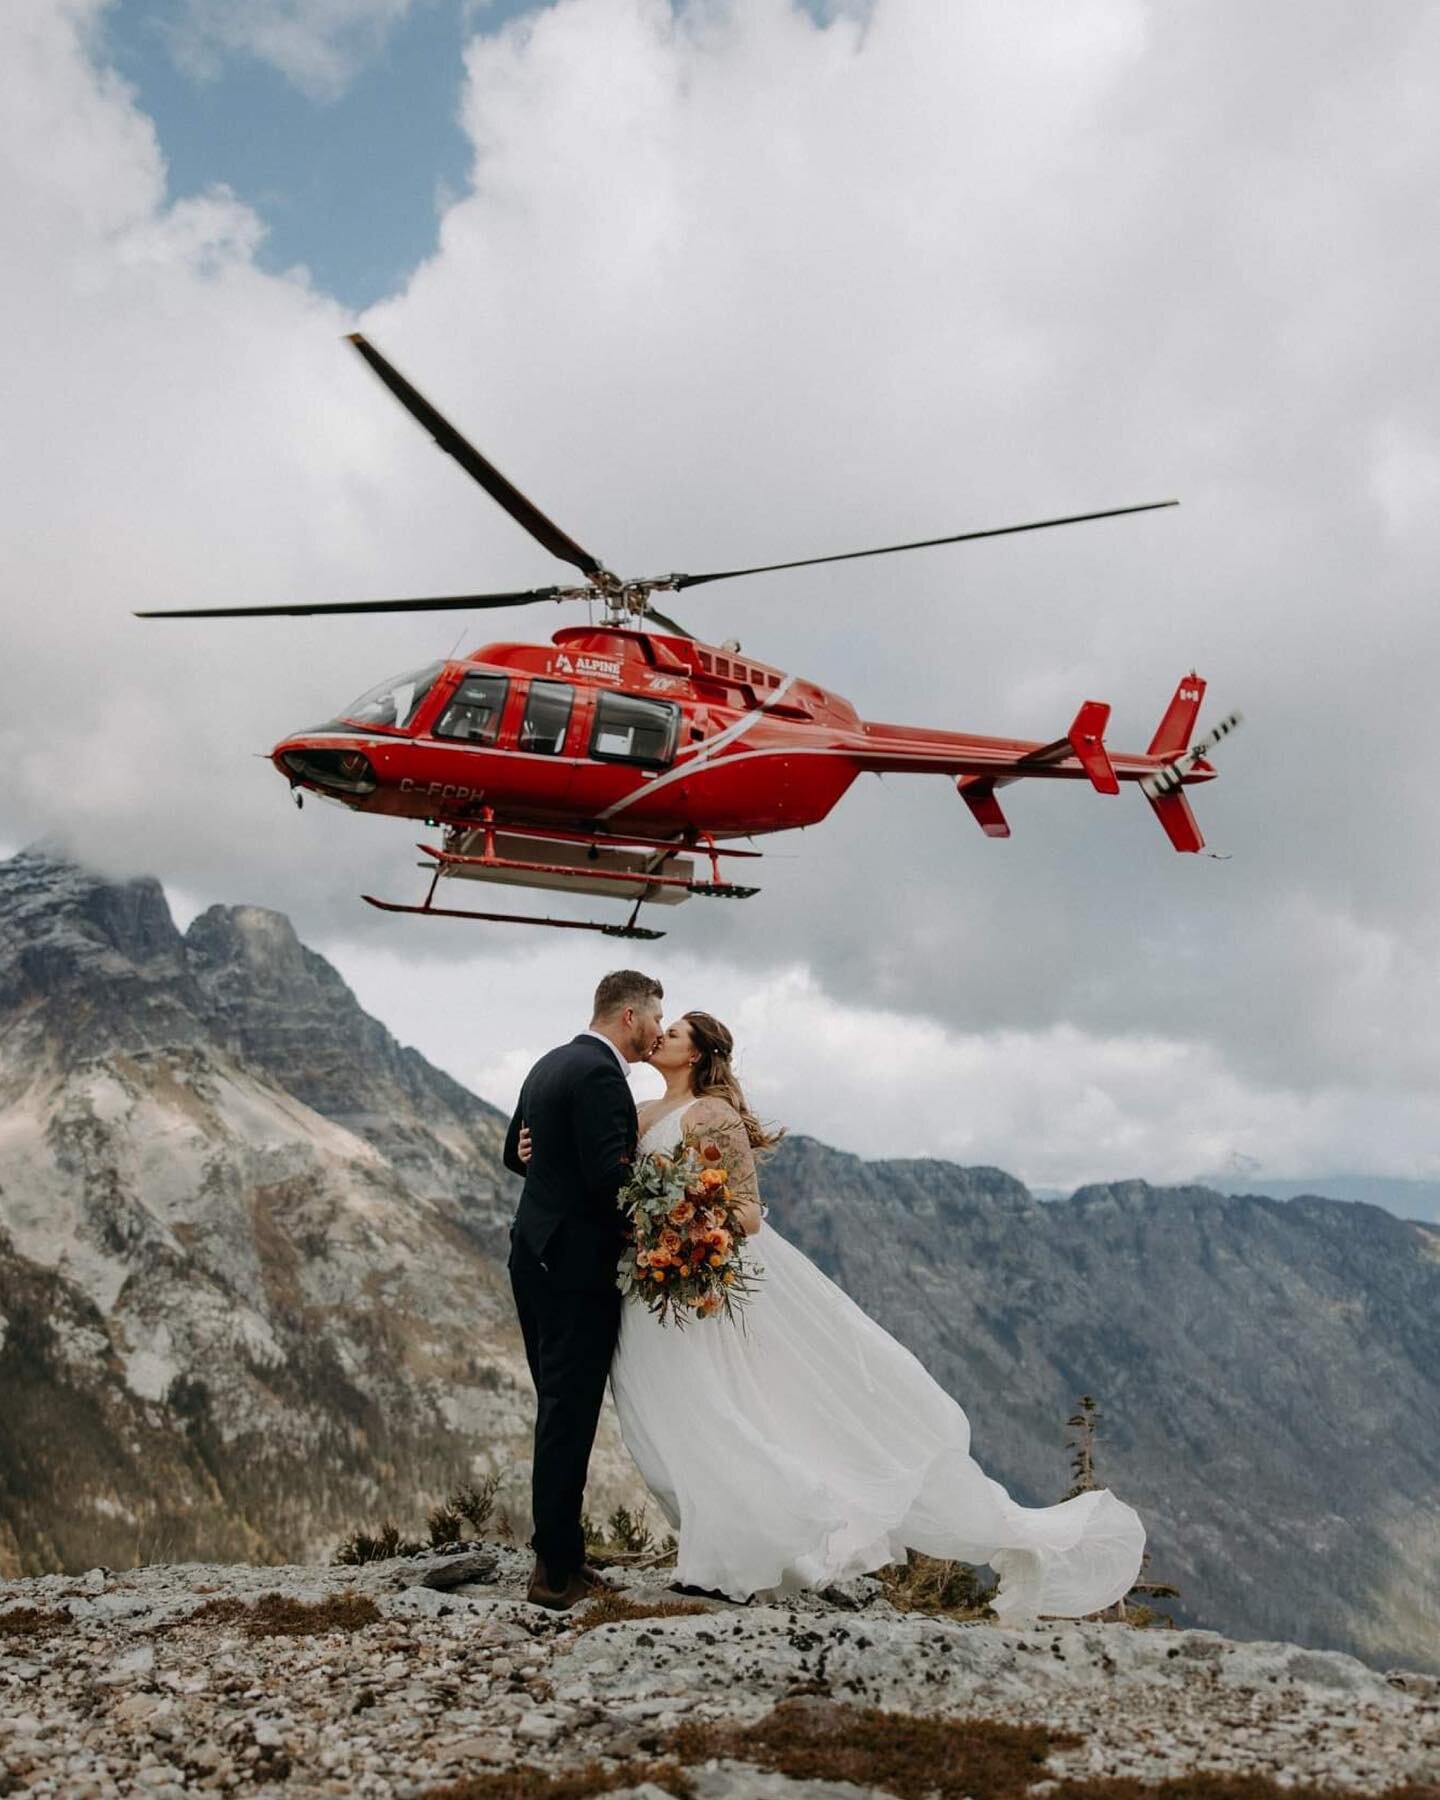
x=624, y=1066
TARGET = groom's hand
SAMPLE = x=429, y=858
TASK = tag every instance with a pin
x=522, y=1149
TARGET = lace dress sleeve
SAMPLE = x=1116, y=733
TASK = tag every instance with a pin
x=715, y=1122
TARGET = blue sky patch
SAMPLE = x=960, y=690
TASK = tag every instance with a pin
x=349, y=176
x=349, y=184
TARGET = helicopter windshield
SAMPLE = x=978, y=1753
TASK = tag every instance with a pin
x=394, y=702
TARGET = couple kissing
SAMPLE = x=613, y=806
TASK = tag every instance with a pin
x=802, y=1448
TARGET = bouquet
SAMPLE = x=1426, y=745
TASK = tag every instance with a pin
x=683, y=1258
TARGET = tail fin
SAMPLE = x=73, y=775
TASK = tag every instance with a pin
x=1173, y=812
x=1172, y=734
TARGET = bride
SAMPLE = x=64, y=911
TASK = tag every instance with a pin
x=804, y=1445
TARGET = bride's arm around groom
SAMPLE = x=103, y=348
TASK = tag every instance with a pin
x=713, y=1120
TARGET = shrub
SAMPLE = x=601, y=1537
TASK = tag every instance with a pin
x=929, y=1584
x=625, y=1537
x=361, y=1547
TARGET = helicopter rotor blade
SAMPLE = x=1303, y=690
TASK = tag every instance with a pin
x=960, y=537
x=436, y=603
x=660, y=618
x=479, y=468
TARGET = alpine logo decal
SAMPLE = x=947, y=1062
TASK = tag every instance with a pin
x=604, y=668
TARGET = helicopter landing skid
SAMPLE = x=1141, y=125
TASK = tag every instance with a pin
x=643, y=870
x=453, y=912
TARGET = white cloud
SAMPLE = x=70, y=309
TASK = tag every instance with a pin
x=728, y=285
x=319, y=45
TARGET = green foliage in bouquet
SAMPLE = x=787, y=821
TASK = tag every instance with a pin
x=684, y=1257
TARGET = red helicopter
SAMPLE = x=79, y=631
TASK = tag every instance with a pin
x=613, y=760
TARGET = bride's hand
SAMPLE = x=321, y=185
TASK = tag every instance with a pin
x=748, y=1216
x=523, y=1148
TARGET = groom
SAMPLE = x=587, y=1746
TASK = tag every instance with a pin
x=564, y=1247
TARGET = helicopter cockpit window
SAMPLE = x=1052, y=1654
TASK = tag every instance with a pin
x=395, y=702
x=473, y=714
x=628, y=729
x=547, y=718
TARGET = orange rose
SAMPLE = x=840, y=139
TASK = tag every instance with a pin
x=669, y=1242
x=713, y=1178
x=657, y=1275
x=682, y=1212
x=716, y=1261
x=721, y=1240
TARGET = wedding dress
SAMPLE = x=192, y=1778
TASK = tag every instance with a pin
x=802, y=1445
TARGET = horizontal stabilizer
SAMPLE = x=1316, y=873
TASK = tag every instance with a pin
x=1173, y=812
x=1172, y=734
x=1087, y=740
x=978, y=793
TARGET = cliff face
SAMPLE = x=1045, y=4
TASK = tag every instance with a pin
x=1268, y=1372
x=250, y=1293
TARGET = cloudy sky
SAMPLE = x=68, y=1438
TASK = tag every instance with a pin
x=723, y=281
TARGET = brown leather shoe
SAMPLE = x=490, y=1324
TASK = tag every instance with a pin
x=543, y=1591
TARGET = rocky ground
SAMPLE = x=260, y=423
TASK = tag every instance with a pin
x=170, y=1679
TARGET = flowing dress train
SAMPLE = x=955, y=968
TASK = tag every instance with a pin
x=805, y=1445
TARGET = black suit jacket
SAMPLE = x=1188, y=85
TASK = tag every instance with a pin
x=577, y=1104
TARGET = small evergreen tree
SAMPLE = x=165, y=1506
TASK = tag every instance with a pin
x=1084, y=1423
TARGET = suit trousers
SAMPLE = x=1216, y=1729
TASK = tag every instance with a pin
x=570, y=1331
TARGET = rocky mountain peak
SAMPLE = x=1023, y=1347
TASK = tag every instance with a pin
x=46, y=893
x=922, y=1186
x=92, y=967
x=94, y=964
x=259, y=944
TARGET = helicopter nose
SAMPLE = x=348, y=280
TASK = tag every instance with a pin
x=333, y=770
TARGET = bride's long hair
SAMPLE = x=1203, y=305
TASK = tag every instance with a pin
x=713, y=1074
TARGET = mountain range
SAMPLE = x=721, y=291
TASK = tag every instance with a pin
x=252, y=1294
x=1406, y=1197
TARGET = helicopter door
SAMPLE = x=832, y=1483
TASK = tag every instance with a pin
x=546, y=766
x=630, y=729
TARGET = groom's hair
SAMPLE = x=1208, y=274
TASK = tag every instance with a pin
x=622, y=988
